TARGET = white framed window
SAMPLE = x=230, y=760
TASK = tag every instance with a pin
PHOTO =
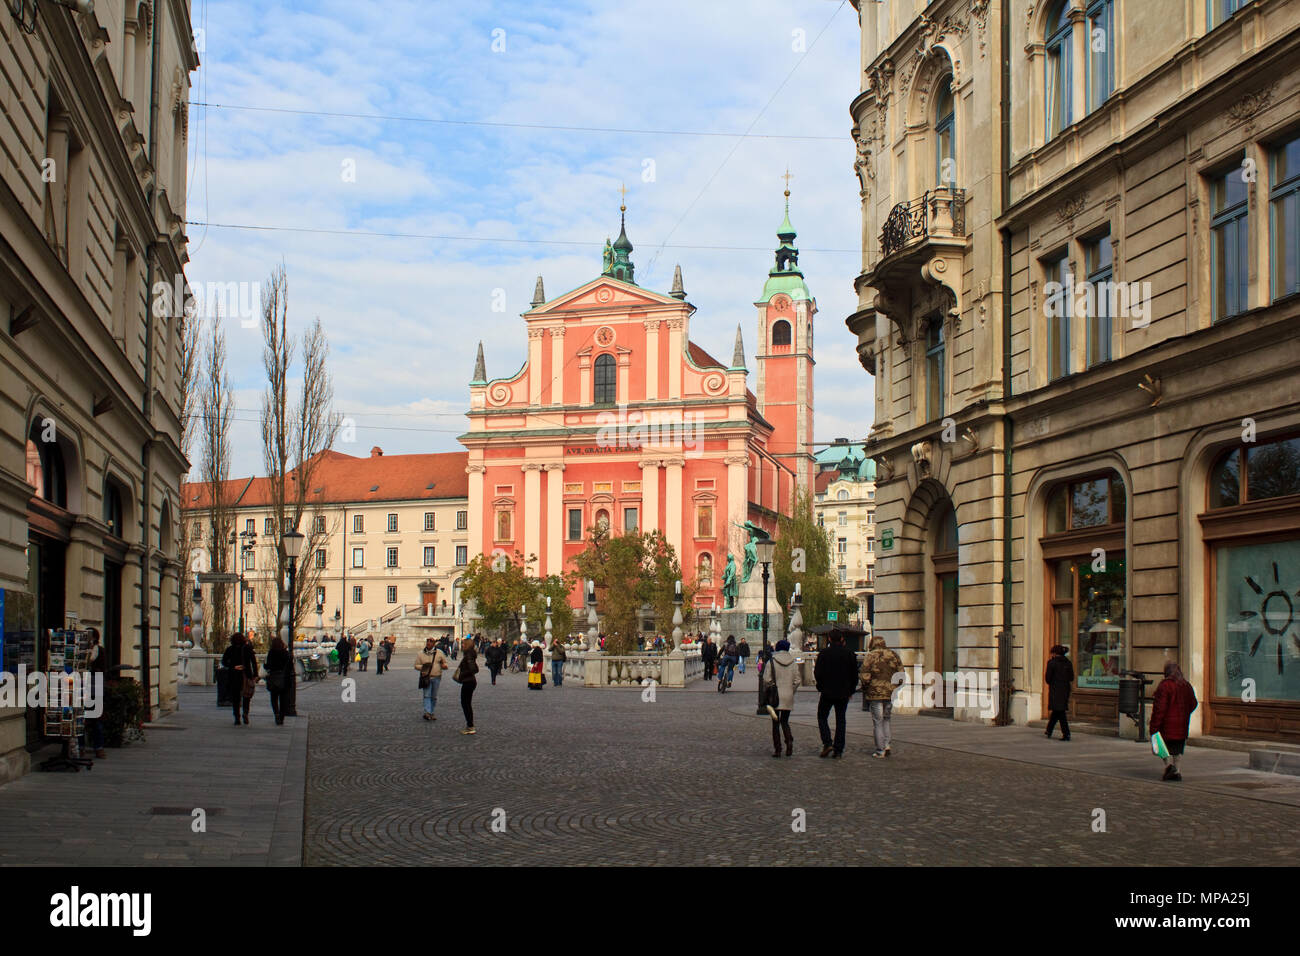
x=320, y=557
x=391, y=595
x=429, y=557
x=356, y=594
x=358, y=524
x=391, y=558
x=429, y=521
x=392, y=523
x=462, y=520
x=358, y=557
x=462, y=555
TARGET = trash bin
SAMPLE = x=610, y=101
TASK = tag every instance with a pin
x=223, y=692
x=1130, y=695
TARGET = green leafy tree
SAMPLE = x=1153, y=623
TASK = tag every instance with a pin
x=500, y=588
x=803, y=555
x=557, y=587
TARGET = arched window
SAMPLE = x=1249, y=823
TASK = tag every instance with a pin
x=113, y=509
x=1084, y=547
x=705, y=575
x=842, y=495
x=45, y=468
x=781, y=332
x=1059, y=88
x=945, y=135
x=1256, y=472
x=606, y=392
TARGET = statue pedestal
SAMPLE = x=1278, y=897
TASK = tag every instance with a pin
x=746, y=618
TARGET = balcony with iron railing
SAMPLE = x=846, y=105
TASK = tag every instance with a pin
x=940, y=214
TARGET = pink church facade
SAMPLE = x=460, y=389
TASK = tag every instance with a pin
x=618, y=417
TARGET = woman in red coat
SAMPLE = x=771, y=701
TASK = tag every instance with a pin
x=1170, y=715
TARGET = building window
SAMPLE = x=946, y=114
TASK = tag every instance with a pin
x=462, y=520
x=391, y=558
x=391, y=594
x=1256, y=472
x=843, y=574
x=250, y=595
x=945, y=138
x=1059, y=85
x=320, y=557
x=871, y=575
x=320, y=524
x=821, y=519
x=629, y=519
x=1097, y=254
x=113, y=512
x=575, y=524
x=842, y=545
x=842, y=519
x=320, y=597
x=358, y=524
x=704, y=521
x=429, y=558
x=250, y=560
x=842, y=495
x=871, y=545
x=1059, y=304
x=358, y=557
x=356, y=594
x=504, y=526
x=268, y=526
x=871, y=516
x=1086, y=503
x=429, y=521
x=1229, y=237
x=1221, y=10
x=1284, y=210
x=935, y=362
x=250, y=526
x=781, y=332
x=462, y=555
x=606, y=380
x=705, y=574
x=392, y=523
x=1101, y=52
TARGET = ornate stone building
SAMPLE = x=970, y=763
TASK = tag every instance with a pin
x=92, y=212
x=618, y=417
x=845, y=504
x=1079, y=300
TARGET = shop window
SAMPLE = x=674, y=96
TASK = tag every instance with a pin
x=1089, y=614
x=1271, y=470
x=1284, y=211
x=1086, y=503
x=1257, y=620
x=1059, y=80
x=606, y=378
x=1229, y=241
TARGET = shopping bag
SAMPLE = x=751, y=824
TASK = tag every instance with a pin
x=1158, y=746
x=535, y=678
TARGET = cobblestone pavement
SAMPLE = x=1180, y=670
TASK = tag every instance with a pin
x=572, y=775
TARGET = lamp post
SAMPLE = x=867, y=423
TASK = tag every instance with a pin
x=292, y=542
x=677, y=615
x=765, y=548
x=593, y=633
x=242, y=543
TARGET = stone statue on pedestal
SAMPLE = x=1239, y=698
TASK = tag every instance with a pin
x=751, y=551
x=730, y=587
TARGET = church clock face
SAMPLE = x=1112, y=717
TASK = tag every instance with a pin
x=605, y=336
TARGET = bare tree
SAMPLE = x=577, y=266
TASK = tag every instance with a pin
x=216, y=411
x=295, y=436
x=191, y=346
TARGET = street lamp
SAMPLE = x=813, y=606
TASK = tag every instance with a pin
x=593, y=633
x=677, y=615
x=246, y=542
x=292, y=541
x=765, y=548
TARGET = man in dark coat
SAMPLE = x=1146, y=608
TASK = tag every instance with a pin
x=836, y=673
x=1171, y=715
x=709, y=654
x=344, y=647
x=1059, y=678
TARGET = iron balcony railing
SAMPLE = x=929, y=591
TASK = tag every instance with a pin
x=909, y=221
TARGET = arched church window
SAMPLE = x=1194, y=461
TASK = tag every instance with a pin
x=606, y=385
x=781, y=332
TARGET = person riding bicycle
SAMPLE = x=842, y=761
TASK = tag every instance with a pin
x=728, y=657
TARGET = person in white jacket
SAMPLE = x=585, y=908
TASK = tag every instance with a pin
x=783, y=670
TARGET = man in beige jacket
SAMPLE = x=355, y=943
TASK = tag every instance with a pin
x=430, y=662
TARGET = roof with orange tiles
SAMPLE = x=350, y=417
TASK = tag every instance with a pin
x=340, y=478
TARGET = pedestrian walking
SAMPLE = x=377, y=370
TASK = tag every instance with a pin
x=836, y=673
x=96, y=663
x=363, y=648
x=383, y=654
x=877, y=676
x=464, y=676
x=430, y=662
x=1059, y=678
x=783, y=676
x=1171, y=715
x=742, y=650
x=536, y=678
x=279, y=672
x=494, y=655
x=558, y=657
x=344, y=647
x=709, y=654
x=240, y=663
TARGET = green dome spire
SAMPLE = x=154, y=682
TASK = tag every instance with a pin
x=618, y=258
x=785, y=275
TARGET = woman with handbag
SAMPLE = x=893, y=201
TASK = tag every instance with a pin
x=241, y=674
x=279, y=671
x=536, y=679
x=780, y=681
x=464, y=676
x=430, y=662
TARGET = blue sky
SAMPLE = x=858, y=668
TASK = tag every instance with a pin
x=404, y=315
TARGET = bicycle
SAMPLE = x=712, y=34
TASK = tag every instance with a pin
x=518, y=664
x=725, y=681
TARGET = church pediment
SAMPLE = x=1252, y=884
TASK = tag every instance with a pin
x=604, y=294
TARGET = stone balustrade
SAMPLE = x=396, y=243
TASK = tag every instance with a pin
x=595, y=669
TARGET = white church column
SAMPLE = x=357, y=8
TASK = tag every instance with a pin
x=673, y=503
x=675, y=327
x=557, y=364
x=737, y=492
x=535, y=366
x=475, y=509
x=556, y=527
x=649, y=495
x=532, y=515
x=651, y=361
